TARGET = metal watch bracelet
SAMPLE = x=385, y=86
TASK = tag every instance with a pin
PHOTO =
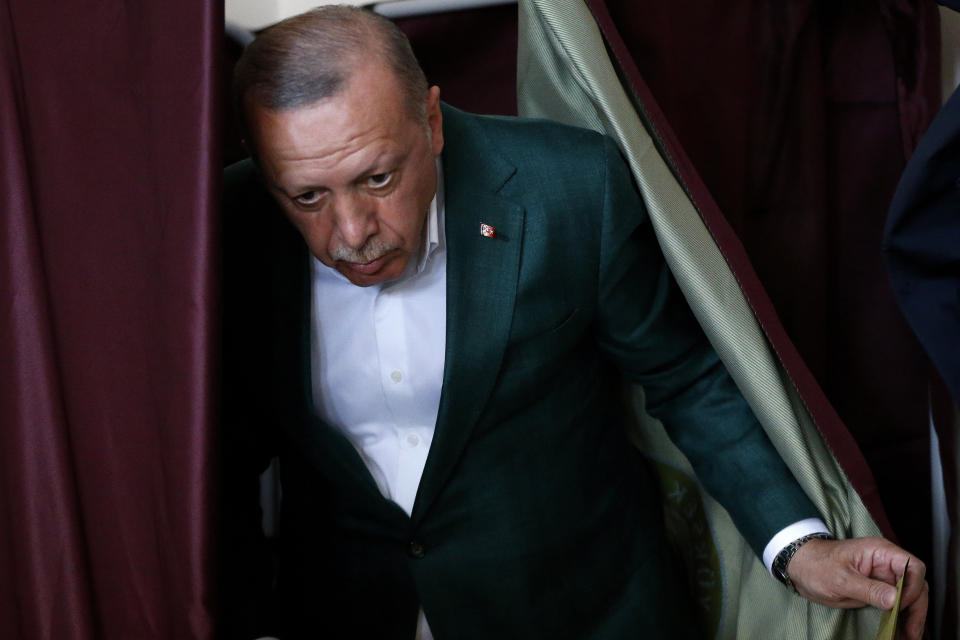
x=779, y=566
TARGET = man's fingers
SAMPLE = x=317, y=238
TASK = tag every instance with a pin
x=873, y=592
x=864, y=571
x=914, y=584
x=916, y=615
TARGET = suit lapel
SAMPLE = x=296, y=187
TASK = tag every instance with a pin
x=482, y=277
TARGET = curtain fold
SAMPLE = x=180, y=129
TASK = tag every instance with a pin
x=109, y=191
x=799, y=117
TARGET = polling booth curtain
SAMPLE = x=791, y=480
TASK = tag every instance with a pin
x=799, y=117
x=109, y=188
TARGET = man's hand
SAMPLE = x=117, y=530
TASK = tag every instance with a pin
x=862, y=571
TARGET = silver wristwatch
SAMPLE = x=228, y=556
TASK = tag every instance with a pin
x=779, y=566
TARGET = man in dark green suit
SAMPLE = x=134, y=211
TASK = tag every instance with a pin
x=533, y=516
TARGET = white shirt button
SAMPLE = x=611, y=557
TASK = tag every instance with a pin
x=396, y=376
x=413, y=439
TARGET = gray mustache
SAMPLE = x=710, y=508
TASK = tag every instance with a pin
x=370, y=251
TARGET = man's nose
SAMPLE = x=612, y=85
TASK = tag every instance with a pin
x=356, y=220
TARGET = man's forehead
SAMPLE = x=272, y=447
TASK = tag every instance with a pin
x=302, y=148
x=326, y=127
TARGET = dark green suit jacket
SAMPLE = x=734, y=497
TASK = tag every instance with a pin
x=535, y=518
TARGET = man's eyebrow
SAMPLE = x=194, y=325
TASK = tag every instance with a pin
x=297, y=187
x=385, y=162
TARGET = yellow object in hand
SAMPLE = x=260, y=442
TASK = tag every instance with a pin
x=888, y=621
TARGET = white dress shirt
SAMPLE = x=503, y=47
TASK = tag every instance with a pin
x=377, y=363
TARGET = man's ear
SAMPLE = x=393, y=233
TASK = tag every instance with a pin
x=435, y=119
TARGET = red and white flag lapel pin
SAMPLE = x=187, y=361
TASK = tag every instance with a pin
x=487, y=231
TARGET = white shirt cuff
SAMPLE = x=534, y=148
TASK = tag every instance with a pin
x=787, y=535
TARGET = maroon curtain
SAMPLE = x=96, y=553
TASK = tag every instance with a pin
x=471, y=55
x=108, y=196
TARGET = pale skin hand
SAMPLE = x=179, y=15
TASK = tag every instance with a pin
x=863, y=571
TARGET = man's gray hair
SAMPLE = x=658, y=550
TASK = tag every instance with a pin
x=309, y=57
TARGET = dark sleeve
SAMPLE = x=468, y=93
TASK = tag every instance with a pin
x=922, y=243
x=246, y=566
x=645, y=326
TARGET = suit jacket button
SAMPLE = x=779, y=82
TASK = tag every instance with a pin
x=415, y=549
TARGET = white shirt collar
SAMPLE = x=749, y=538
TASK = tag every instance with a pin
x=433, y=235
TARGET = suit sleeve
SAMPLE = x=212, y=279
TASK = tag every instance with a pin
x=645, y=326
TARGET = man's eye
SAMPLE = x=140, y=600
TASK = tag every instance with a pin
x=379, y=180
x=307, y=198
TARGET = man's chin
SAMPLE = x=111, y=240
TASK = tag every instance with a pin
x=383, y=269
